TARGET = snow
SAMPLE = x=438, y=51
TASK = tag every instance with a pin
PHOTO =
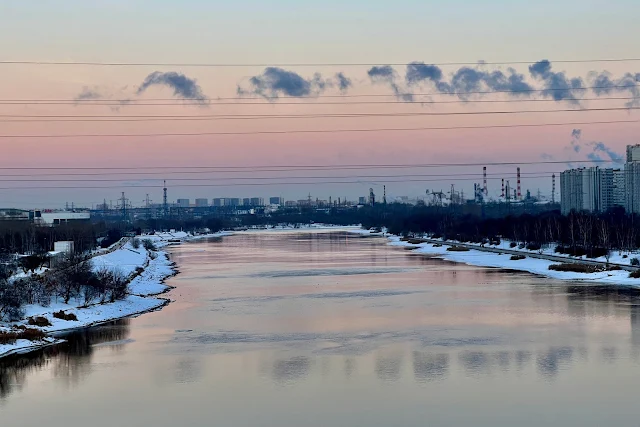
x=530, y=265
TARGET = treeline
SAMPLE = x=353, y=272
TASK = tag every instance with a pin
x=23, y=237
x=579, y=233
x=27, y=238
x=72, y=278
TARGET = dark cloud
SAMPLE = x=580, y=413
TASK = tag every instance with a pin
x=604, y=84
x=463, y=81
x=382, y=72
x=556, y=84
x=418, y=72
x=601, y=147
x=468, y=79
x=386, y=74
x=183, y=86
x=275, y=82
x=594, y=150
x=343, y=82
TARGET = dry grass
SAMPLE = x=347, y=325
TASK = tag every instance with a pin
x=576, y=268
x=64, y=316
x=38, y=321
x=9, y=337
x=458, y=249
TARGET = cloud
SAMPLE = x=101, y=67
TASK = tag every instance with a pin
x=183, y=86
x=603, y=84
x=556, y=84
x=275, y=82
x=343, y=82
x=97, y=93
x=594, y=150
x=462, y=81
x=386, y=74
x=468, y=79
x=418, y=72
x=601, y=147
x=88, y=93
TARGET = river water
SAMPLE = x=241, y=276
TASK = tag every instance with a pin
x=330, y=329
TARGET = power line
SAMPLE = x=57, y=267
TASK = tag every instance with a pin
x=215, y=117
x=301, y=167
x=294, y=64
x=342, y=96
x=309, y=131
x=257, y=183
x=477, y=175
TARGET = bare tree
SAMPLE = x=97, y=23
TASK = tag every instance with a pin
x=604, y=236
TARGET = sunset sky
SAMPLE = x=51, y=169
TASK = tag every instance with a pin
x=286, y=32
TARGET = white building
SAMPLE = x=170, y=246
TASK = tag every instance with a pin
x=591, y=189
x=201, y=203
x=182, y=203
x=57, y=218
x=63, y=247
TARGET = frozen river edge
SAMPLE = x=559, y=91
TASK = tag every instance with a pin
x=144, y=290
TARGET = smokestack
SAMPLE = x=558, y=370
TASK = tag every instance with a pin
x=484, y=176
x=502, y=195
x=519, y=190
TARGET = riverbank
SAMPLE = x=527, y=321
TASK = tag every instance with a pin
x=149, y=269
x=534, y=262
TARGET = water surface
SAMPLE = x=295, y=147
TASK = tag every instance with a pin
x=329, y=329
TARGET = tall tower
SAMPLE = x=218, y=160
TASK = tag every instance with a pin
x=484, y=177
x=507, y=193
x=372, y=197
x=553, y=188
x=519, y=196
x=502, y=195
x=123, y=201
x=384, y=195
x=165, y=203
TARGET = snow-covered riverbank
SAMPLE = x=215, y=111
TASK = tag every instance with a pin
x=530, y=265
x=141, y=298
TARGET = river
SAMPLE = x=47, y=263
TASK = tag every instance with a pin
x=331, y=329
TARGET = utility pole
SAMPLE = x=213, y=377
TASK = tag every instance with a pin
x=165, y=204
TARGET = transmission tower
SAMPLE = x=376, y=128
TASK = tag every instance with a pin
x=165, y=204
x=123, y=200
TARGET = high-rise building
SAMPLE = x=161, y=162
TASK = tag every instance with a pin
x=632, y=186
x=201, y=203
x=182, y=203
x=591, y=189
x=257, y=201
x=619, y=187
x=233, y=201
x=362, y=200
x=246, y=201
x=218, y=202
x=633, y=153
x=276, y=201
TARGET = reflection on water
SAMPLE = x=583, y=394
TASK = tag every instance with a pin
x=430, y=367
x=332, y=329
x=69, y=362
